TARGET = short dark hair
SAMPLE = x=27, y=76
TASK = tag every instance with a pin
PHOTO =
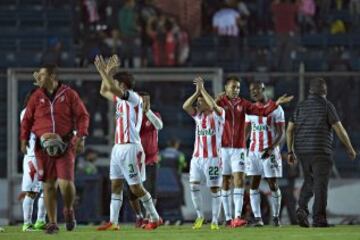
x=232, y=78
x=143, y=93
x=126, y=78
x=50, y=68
x=259, y=83
x=317, y=86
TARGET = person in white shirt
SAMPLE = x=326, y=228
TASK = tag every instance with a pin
x=206, y=162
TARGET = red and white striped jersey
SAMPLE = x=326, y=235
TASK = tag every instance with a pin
x=128, y=118
x=263, y=129
x=208, y=134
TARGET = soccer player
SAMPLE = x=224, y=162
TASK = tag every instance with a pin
x=31, y=184
x=127, y=156
x=264, y=158
x=53, y=112
x=150, y=126
x=206, y=162
x=234, y=145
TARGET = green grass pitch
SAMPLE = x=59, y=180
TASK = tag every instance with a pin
x=128, y=232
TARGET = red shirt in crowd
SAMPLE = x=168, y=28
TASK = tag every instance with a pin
x=284, y=15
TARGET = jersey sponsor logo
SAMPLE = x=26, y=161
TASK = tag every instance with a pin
x=206, y=132
x=259, y=127
x=133, y=175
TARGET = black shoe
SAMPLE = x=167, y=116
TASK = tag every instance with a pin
x=70, y=222
x=258, y=222
x=322, y=225
x=52, y=228
x=302, y=218
x=276, y=222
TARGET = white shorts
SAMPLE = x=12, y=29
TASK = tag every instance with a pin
x=208, y=169
x=269, y=168
x=233, y=160
x=30, y=180
x=128, y=161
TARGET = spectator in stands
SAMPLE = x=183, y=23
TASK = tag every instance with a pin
x=310, y=140
x=52, y=54
x=94, y=45
x=90, y=15
x=263, y=17
x=129, y=32
x=244, y=16
x=306, y=14
x=225, y=23
x=284, y=16
x=354, y=7
x=147, y=12
x=86, y=163
x=164, y=43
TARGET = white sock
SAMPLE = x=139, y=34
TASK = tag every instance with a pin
x=216, y=205
x=226, y=201
x=150, y=207
x=28, y=204
x=196, y=199
x=41, y=210
x=276, y=202
x=255, y=202
x=115, y=206
x=238, y=201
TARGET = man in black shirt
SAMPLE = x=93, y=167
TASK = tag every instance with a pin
x=309, y=139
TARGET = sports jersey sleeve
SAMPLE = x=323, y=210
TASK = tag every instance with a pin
x=221, y=117
x=332, y=114
x=280, y=116
x=253, y=109
x=28, y=119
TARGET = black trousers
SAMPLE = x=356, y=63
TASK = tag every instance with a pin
x=316, y=169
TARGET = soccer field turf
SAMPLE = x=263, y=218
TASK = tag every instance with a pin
x=128, y=232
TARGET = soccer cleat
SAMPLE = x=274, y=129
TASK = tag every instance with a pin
x=153, y=225
x=52, y=228
x=40, y=225
x=108, y=227
x=214, y=226
x=70, y=222
x=27, y=227
x=276, y=222
x=139, y=222
x=238, y=222
x=258, y=222
x=198, y=223
x=302, y=218
x=228, y=223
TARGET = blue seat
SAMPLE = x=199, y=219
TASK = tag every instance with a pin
x=31, y=20
x=316, y=40
x=8, y=20
x=337, y=40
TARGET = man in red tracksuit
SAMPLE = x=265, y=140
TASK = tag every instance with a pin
x=56, y=108
x=234, y=145
x=151, y=124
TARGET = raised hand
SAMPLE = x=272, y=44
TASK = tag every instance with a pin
x=100, y=64
x=113, y=64
x=284, y=99
x=36, y=78
x=199, y=82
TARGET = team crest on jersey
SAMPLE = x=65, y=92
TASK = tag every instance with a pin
x=62, y=98
x=42, y=100
x=239, y=108
x=148, y=123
